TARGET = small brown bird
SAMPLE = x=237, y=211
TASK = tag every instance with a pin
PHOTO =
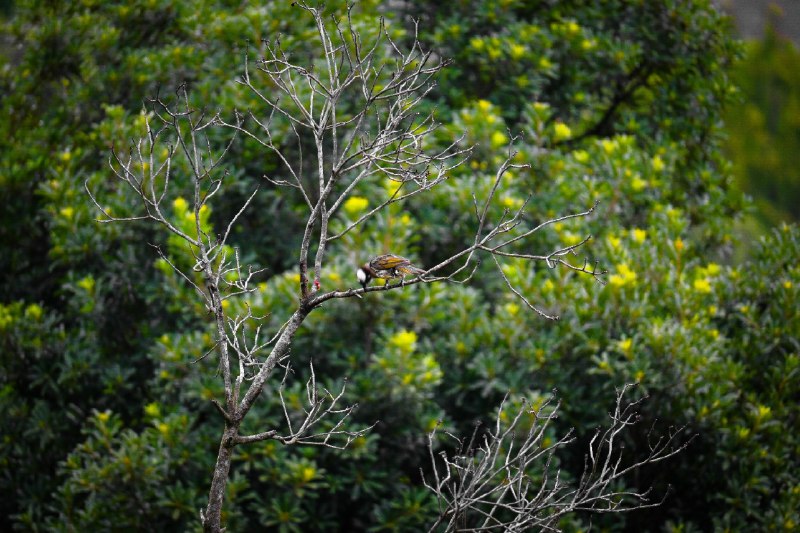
x=387, y=266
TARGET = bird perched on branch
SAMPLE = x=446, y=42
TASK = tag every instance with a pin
x=387, y=266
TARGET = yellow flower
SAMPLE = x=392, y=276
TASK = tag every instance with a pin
x=152, y=410
x=588, y=44
x=678, y=243
x=540, y=107
x=609, y=146
x=570, y=238
x=639, y=235
x=477, y=43
x=562, y=131
x=104, y=416
x=517, y=51
x=65, y=156
x=787, y=285
x=658, y=164
x=87, y=284
x=355, y=204
x=307, y=474
x=702, y=285
x=511, y=203
x=625, y=345
x=615, y=242
x=180, y=204
x=405, y=340
x=713, y=269
x=616, y=280
x=639, y=377
x=499, y=139
x=33, y=311
x=163, y=428
x=67, y=212
x=638, y=184
x=581, y=156
x=511, y=308
x=545, y=63
x=484, y=105
x=624, y=276
x=572, y=28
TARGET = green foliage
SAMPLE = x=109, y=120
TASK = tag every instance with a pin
x=106, y=372
x=763, y=142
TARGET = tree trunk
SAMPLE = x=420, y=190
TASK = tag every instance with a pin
x=212, y=520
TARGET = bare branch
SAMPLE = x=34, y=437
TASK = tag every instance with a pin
x=506, y=482
x=320, y=406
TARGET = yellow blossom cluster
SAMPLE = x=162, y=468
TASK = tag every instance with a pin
x=624, y=276
x=180, y=205
x=355, y=204
x=405, y=340
x=704, y=276
x=562, y=131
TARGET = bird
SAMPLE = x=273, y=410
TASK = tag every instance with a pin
x=387, y=266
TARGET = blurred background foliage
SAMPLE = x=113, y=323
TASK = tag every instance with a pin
x=764, y=128
x=106, y=417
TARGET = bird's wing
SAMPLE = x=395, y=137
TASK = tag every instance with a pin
x=389, y=261
x=409, y=270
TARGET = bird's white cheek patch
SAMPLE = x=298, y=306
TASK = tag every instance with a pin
x=361, y=275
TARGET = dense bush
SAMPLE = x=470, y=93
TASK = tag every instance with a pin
x=103, y=374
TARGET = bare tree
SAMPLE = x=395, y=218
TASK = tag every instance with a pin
x=507, y=481
x=356, y=106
